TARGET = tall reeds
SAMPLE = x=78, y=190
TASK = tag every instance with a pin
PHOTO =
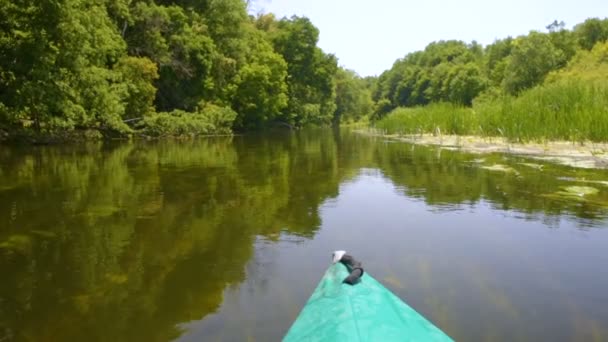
x=573, y=110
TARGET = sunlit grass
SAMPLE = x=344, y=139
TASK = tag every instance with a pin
x=571, y=110
x=438, y=118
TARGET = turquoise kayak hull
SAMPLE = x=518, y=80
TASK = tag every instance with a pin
x=366, y=311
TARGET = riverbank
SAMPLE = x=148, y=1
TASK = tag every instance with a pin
x=588, y=155
x=66, y=137
x=30, y=137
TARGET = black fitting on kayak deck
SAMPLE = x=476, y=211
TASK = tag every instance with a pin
x=355, y=268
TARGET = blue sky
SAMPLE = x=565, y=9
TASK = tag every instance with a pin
x=368, y=36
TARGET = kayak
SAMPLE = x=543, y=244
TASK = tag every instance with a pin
x=363, y=311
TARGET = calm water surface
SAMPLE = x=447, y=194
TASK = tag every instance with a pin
x=224, y=239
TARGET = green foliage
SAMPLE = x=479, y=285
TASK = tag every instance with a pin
x=56, y=66
x=98, y=102
x=261, y=90
x=138, y=74
x=464, y=83
x=575, y=110
x=437, y=118
x=208, y=119
x=565, y=42
x=81, y=64
x=228, y=21
x=179, y=42
x=456, y=72
x=495, y=60
x=353, y=97
x=381, y=109
x=98, y=65
x=534, y=87
x=591, y=31
x=586, y=65
x=531, y=59
x=444, y=71
x=311, y=72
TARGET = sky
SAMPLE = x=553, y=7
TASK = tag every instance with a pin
x=368, y=36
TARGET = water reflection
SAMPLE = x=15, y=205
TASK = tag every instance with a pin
x=131, y=241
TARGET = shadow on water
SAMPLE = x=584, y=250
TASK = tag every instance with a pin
x=126, y=241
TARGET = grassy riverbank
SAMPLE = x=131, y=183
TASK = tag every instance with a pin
x=572, y=110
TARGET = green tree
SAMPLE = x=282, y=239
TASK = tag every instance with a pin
x=591, y=31
x=310, y=72
x=586, y=65
x=444, y=71
x=532, y=58
x=464, y=83
x=179, y=42
x=138, y=74
x=57, y=65
x=564, y=40
x=353, y=97
x=496, y=61
x=261, y=92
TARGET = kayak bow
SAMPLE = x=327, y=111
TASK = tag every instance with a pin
x=365, y=311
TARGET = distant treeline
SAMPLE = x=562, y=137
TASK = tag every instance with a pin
x=551, y=85
x=165, y=67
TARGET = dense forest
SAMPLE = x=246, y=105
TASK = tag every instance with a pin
x=184, y=67
x=544, y=85
x=164, y=67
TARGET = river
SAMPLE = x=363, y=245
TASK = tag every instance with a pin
x=225, y=238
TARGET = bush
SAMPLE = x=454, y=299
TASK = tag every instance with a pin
x=381, y=109
x=207, y=120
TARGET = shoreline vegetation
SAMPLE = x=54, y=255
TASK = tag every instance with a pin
x=571, y=110
x=541, y=87
x=565, y=121
x=83, y=70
